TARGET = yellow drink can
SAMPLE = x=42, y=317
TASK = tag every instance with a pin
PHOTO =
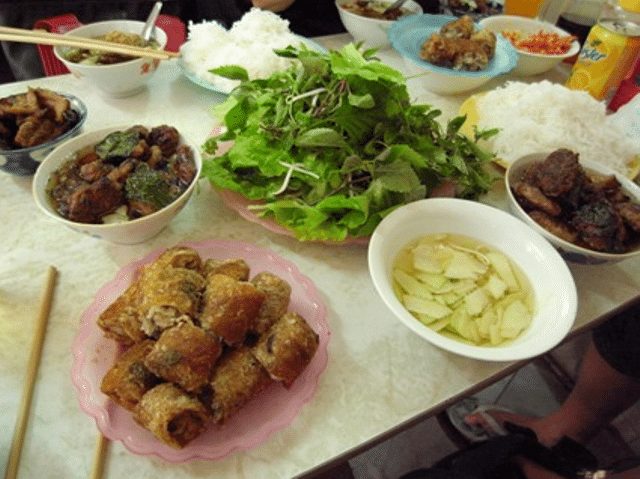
x=605, y=58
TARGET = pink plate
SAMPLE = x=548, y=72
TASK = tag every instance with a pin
x=273, y=410
x=240, y=204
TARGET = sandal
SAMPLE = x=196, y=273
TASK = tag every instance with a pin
x=457, y=413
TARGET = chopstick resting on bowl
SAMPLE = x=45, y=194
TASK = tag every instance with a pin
x=55, y=39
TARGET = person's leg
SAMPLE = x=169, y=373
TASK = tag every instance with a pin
x=608, y=383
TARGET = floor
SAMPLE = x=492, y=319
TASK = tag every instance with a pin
x=540, y=385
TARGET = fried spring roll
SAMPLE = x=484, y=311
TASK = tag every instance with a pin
x=171, y=415
x=121, y=320
x=236, y=268
x=180, y=257
x=277, y=295
x=237, y=378
x=128, y=379
x=230, y=307
x=168, y=297
x=184, y=355
x=287, y=348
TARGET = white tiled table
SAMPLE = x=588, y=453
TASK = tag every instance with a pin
x=380, y=377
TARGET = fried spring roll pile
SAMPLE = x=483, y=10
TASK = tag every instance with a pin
x=202, y=339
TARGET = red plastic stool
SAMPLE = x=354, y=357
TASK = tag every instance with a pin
x=173, y=27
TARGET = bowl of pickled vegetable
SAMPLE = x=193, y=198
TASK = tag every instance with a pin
x=114, y=75
x=121, y=184
x=472, y=279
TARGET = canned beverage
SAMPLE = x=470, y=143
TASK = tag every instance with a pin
x=606, y=57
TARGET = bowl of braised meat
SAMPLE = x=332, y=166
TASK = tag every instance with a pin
x=590, y=213
x=32, y=124
x=121, y=184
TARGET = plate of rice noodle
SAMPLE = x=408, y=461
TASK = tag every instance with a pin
x=200, y=350
x=544, y=116
x=249, y=43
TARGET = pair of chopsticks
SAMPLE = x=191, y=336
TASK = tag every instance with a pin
x=40, y=37
x=27, y=392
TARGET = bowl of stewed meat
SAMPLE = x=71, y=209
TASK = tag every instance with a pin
x=589, y=212
x=121, y=184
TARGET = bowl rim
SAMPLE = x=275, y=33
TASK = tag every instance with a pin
x=103, y=226
x=596, y=167
x=509, y=351
x=546, y=26
x=81, y=108
x=340, y=6
x=510, y=53
x=74, y=31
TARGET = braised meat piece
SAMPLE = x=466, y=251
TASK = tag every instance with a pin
x=630, y=213
x=89, y=203
x=166, y=137
x=554, y=226
x=56, y=103
x=184, y=167
x=559, y=173
x=599, y=226
x=533, y=197
x=35, y=131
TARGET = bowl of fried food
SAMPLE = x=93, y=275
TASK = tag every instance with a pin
x=451, y=55
x=540, y=45
x=368, y=20
x=470, y=289
x=32, y=124
x=121, y=184
x=115, y=75
x=589, y=212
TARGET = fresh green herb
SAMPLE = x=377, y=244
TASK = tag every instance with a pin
x=333, y=144
x=117, y=146
x=149, y=186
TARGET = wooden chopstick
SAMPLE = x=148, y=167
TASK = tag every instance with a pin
x=98, y=456
x=45, y=38
x=32, y=372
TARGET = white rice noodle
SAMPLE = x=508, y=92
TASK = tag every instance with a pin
x=541, y=117
x=249, y=43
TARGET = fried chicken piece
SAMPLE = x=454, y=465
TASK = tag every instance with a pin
x=460, y=28
x=438, y=51
x=559, y=173
x=532, y=198
x=486, y=40
x=600, y=227
x=470, y=56
x=54, y=102
x=25, y=104
x=630, y=214
x=554, y=226
x=34, y=131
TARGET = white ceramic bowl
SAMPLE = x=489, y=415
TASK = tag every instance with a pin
x=120, y=79
x=552, y=283
x=371, y=31
x=408, y=34
x=529, y=63
x=569, y=251
x=130, y=232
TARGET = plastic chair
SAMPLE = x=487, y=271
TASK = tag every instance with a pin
x=173, y=27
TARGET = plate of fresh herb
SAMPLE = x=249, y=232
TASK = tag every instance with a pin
x=333, y=144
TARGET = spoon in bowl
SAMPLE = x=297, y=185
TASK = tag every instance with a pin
x=147, y=30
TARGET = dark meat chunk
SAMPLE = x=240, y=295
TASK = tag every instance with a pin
x=630, y=213
x=95, y=170
x=532, y=198
x=184, y=166
x=35, y=131
x=559, y=173
x=554, y=226
x=600, y=227
x=166, y=137
x=142, y=131
x=88, y=204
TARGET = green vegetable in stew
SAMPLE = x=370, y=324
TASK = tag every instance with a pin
x=333, y=144
x=149, y=186
x=117, y=146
